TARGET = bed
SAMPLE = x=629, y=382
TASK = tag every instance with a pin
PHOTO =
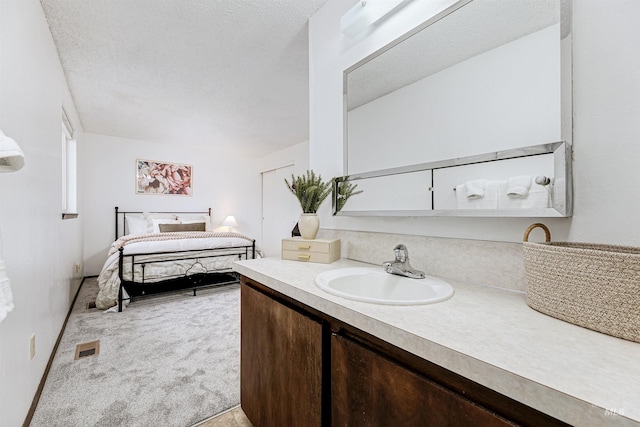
x=167, y=251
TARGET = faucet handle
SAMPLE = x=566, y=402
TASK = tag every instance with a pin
x=402, y=253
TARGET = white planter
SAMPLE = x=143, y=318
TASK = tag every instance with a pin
x=308, y=225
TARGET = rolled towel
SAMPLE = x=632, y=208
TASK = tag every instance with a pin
x=475, y=189
x=518, y=186
x=538, y=197
x=461, y=198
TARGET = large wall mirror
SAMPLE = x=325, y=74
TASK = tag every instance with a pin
x=449, y=119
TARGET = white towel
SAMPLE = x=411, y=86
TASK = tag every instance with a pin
x=518, y=186
x=6, y=298
x=490, y=199
x=475, y=189
x=538, y=197
x=462, y=202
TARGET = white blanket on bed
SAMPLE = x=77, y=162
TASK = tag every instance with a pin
x=109, y=280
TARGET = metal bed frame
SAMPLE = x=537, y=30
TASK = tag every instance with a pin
x=136, y=287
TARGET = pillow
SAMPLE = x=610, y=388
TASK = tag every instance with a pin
x=152, y=216
x=196, y=221
x=136, y=224
x=158, y=222
x=193, y=218
x=194, y=226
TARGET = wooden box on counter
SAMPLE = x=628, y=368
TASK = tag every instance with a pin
x=317, y=250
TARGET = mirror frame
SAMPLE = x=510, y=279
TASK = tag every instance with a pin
x=562, y=200
x=562, y=197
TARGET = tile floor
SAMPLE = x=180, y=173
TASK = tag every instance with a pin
x=232, y=418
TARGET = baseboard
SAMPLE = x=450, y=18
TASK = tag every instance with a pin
x=36, y=398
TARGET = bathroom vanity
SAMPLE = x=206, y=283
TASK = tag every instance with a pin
x=482, y=357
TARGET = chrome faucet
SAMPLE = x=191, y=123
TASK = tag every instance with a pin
x=401, y=266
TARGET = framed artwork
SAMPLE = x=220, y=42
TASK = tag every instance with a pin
x=163, y=178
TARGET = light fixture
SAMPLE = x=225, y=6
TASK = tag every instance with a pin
x=230, y=222
x=366, y=13
x=11, y=156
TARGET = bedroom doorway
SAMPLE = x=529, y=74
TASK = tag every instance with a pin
x=280, y=210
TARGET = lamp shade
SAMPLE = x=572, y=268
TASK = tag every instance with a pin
x=11, y=156
x=230, y=221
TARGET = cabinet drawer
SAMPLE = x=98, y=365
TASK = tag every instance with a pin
x=322, y=246
x=325, y=258
x=317, y=250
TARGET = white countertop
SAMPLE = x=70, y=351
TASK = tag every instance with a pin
x=490, y=336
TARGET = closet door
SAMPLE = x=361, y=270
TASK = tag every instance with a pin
x=280, y=210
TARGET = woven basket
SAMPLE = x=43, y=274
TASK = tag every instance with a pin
x=590, y=285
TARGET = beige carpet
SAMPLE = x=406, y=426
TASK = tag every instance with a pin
x=170, y=360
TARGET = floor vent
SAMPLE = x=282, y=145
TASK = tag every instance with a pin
x=87, y=349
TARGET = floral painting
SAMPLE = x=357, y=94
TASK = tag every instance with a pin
x=163, y=178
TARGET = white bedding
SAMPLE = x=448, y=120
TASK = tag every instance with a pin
x=109, y=280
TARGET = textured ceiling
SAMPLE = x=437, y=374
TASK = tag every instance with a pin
x=226, y=74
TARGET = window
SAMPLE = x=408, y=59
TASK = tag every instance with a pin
x=69, y=170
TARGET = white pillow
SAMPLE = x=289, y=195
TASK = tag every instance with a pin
x=151, y=216
x=136, y=224
x=195, y=218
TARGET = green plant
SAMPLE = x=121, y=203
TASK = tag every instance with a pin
x=310, y=190
x=345, y=190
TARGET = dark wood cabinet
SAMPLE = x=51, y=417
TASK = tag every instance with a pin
x=367, y=389
x=301, y=367
x=281, y=363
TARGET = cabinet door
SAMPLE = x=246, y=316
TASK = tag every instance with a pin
x=281, y=363
x=368, y=389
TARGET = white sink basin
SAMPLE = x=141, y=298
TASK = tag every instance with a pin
x=373, y=284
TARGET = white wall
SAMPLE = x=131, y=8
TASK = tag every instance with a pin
x=280, y=209
x=40, y=248
x=230, y=185
x=606, y=107
x=297, y=154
